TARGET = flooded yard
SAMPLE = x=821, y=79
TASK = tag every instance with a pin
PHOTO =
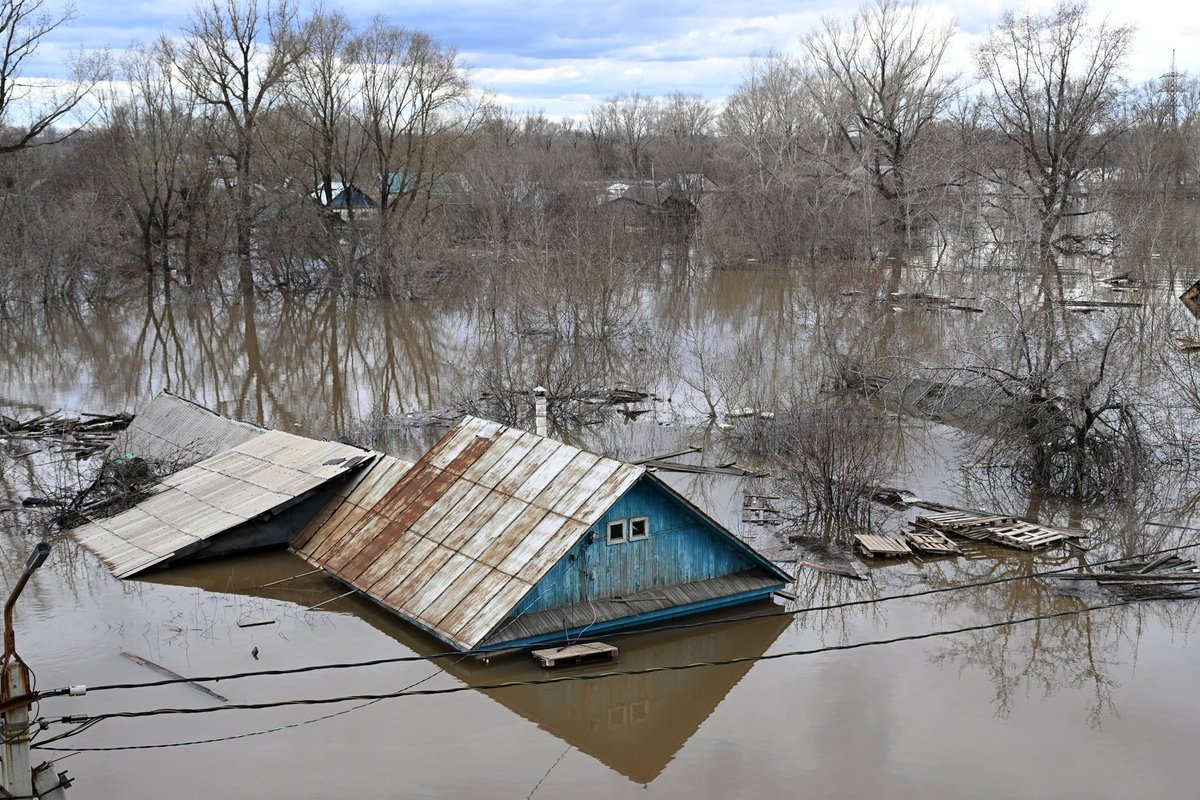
x=852, y=689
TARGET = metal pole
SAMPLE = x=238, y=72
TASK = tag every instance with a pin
x=17, y=772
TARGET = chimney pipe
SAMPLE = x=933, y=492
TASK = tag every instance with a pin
x=539, y=411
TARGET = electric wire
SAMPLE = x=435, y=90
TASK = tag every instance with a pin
x=213, y=740
x=410, y=692
x=457, y=654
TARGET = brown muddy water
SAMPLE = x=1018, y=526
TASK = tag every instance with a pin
x=1098, y=704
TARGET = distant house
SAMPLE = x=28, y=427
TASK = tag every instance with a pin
x=445, y=187
x=674, y=203
x=500, y=538
x=348, y=201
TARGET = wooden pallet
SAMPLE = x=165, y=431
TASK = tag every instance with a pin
x=575, y=654
x=1002, y=529
x=873, y=546
x=1024, y=536
x=964, y=521
x=931, y=541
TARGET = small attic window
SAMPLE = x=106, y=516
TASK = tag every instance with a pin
x=616, y=532
x=639, y=528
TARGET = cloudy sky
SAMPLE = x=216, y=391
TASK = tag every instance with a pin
x=562, y=57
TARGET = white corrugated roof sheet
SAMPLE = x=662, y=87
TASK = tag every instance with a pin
x=174, y=430
x=256, y=477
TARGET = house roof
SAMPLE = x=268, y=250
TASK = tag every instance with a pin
x=259, y=476
x=457, y=541
x=172, y=429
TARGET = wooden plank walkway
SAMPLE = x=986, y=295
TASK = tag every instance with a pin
x=575, y=654
x=873, y=546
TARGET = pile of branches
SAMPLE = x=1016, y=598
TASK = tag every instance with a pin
x=87, y=435
x=121, y=482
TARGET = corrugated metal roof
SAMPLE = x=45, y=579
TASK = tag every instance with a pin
x=256, y=477
x=176, y=430
x=455, y=542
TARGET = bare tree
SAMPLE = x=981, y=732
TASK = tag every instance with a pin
x=1054, y=86
x=627, y=121
x=151, y=133
x=322, y=94
x=236, y=57
x=1062, y=404
x=29, y=110
x=414, y=94
x=776, y=143
x=883, y=85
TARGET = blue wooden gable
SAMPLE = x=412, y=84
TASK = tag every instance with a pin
x=677, y=545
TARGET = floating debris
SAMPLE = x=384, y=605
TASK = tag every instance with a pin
x=87, y=434
x=931, y=541
x=1002, y=529
x=875, y=546
x=161, y=670
x=575, y=654
x=1169, y=573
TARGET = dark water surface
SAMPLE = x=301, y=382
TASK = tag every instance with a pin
x=1101, y=704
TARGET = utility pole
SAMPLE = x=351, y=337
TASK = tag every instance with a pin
x=18, y=777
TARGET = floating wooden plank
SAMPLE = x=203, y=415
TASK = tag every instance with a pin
x=575, y=654
x=931, y=541
x=161, y=670
x=851, y=569
x=873, y=546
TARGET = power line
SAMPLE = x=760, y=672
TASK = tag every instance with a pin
x=232, y=737
x=408, y=692
x=634, y=632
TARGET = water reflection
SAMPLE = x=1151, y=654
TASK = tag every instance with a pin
x=633, y=724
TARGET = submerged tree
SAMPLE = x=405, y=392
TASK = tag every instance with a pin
x=1054, y=85
x=1061, y=407
x=827, y=457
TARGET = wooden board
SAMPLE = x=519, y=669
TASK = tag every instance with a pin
x=931, y=541
x=575, y=653
x=1004, y=530
x=874, y=546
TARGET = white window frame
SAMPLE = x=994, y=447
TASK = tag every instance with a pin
x=645, y=534
x=608, y=530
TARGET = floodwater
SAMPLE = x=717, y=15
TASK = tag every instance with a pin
x=1099, y=704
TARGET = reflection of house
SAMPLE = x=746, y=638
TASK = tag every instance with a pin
x=634, y=725
x=637, y=724
x=501, y=538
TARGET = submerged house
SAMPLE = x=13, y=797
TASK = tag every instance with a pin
x=247, y=488
x=500, y=538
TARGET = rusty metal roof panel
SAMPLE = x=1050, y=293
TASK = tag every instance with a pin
x=464, y=584
x=174, y=430
x=256, y=477
x=493, y=612
x=487, y=504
